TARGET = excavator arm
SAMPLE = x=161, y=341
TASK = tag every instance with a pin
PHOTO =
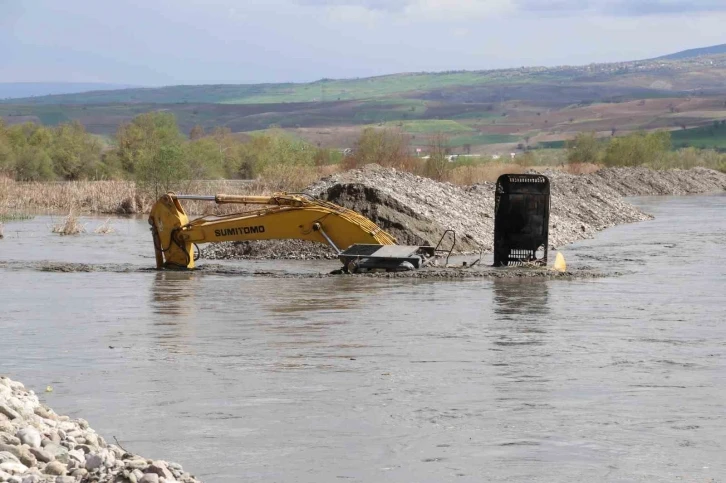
x=286, y=216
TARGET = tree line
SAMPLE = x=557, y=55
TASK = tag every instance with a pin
x=148, y=148
x=151, y=150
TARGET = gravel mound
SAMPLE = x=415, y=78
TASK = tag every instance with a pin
x=39, y=446
x=418, y=210
x=646, y=182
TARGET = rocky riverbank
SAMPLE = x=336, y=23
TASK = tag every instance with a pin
x=419, y=210
x=39, y=446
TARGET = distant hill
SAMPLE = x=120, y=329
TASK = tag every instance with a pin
x=13, y=90
x=515, y=106
x=691, y=53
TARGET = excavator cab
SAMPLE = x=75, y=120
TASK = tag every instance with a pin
x=521, y=220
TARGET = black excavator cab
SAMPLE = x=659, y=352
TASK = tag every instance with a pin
x=521, y=220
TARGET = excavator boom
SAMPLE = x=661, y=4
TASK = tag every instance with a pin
x=286, y=217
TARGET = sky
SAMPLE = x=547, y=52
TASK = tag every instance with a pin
x=167, y=42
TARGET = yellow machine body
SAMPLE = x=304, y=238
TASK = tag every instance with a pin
x=287, y=216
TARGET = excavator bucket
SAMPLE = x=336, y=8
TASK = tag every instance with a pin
x=166, y=219
x=521, y=220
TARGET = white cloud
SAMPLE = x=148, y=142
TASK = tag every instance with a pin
x=442, y=10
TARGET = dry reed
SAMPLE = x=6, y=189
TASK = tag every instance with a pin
x=469, y=175
x=105, y=228
x=69, y=226
x=59, y=197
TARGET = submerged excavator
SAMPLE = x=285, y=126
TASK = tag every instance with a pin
x=360, y=244
x=522, y=204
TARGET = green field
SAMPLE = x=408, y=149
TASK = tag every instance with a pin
x=435, y=126
x=479, y=139
x=701, y=137
x=325, y=90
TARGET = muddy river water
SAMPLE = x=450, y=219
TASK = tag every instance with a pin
x=243, y=378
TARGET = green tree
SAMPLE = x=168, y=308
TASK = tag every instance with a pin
x=386, y=147
x=140, y=140
x=163, y=171
x=437, y=165
x=273, y=149
x=7, y=154
x=75, y=153
x=33, y=164
x=204, y=159
x=637, y=149
x=585, y=148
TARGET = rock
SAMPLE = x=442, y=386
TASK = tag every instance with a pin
x=11, y=414
x=79, y=473
x=30, y=436
x=93, y=461
x=7, y=438
x=13, y=467
x=22, y=407
x=39, y=446
x=83, y=447
x=45, y=413
x=160, y=468
x=136, y=463
x=55, y=468
x=22, y=452
x=149, y=478
x=8, y=456
x=78, y=455
x=57, y=451
x=91, y=439
x=42, y=455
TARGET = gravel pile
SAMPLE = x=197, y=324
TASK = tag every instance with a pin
x=417, y=210
x=646, y=182
x=39, y=446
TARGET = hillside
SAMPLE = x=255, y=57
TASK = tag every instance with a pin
x=13, y=90
x=483, y=111
x=692, y=53
x=637, y=79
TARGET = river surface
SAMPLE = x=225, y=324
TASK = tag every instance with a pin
x=243, y=378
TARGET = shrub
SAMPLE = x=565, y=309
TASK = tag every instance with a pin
x=585, y=148
x=386, y=147
x=636, y=149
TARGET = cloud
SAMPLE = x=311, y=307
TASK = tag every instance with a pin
x=625, y=8
x=376, y=5
x=419, y=9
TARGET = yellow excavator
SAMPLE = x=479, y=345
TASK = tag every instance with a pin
x=360, y=244
x=522, y=203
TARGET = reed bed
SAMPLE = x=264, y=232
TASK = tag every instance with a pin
x=480, y=173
